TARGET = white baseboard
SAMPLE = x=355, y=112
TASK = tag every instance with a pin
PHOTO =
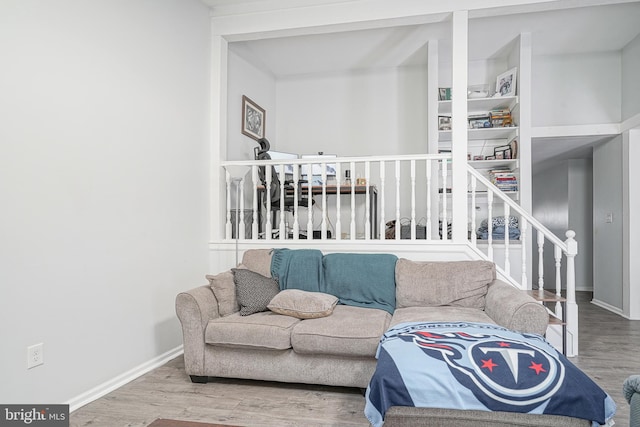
x=608, y=307
x=122, y=379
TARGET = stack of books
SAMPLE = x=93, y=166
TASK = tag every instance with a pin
x=501, y=118
x=504, y=179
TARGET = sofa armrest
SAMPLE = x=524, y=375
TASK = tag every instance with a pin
x=513, y=309
x=194, y=309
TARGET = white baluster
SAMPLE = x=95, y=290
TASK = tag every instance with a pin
x=383, y=224
x=241, y=232
x=490, y=223
x=428, y=172
x=309, y=202
x=367, y=221
x=474, y=220
x=323, y=224
x=557, y=255
x=338, y=192
x=254, y=226
x=507, y=262
x=443, y=220
x=352, y=229
x=283, y=195
x=523, y=239
x=398, y=225
x=296, y=200
x=267, y=192
x=228, y=190
x=413, y=200
x=540, y=260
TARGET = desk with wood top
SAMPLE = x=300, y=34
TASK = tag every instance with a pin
x=334, y=190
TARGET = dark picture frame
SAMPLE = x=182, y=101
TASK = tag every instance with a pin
x=253, y=119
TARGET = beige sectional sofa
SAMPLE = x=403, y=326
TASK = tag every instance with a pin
x=339, y=349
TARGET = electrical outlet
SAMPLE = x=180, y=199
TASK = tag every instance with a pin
x=35, y=355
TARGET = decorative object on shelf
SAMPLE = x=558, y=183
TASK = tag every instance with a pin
x=479, y=121
x=478, y=158
x=489, y=157
x=501, y=118
x=444, y=122
x=503, y=152
x=506, y=83
x=478, y=91
x=444, y=94
x=514, y=148
x=253, y=119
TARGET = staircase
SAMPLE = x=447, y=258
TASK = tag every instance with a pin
x=405, y=205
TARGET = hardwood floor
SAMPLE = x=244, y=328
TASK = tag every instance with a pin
x=609, y=347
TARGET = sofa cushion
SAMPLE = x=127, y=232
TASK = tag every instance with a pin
x=258, y=260
x=457, y=283
x=253, y=290
x=349, y=331
x=224, y=288
x=303, y=304
x=265, y=330
x=439, y=314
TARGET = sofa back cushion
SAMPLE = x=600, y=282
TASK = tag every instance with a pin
x=258, y=260
x=455, y=283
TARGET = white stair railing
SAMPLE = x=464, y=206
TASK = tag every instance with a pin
x=567, y=249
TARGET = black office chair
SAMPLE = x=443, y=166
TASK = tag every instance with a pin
x=275, y=193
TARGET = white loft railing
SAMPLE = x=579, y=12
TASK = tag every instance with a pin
x=414, y=192
x=406, y=189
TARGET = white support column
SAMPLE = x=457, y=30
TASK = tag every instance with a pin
x=282, y=229
x=459, y=135
x=218, y=137
x=398, y=225
x=572, y=306
x=228, y=228
x=430, y=203
x=433, y=200
x=367, y=222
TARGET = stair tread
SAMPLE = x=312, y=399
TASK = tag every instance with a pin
x=544, y=295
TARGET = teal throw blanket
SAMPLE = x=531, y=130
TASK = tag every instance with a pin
x=298, y=269
x=362, y=280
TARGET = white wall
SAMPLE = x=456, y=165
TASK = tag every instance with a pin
x=103, y=176
x=630, y=83
x=369, y=112
x=245, y=78
x=550, y=207
x=607, y=237
x=576, y=89
x=580, y=186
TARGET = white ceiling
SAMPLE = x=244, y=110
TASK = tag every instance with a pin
x=559, y=31
x=558, y=27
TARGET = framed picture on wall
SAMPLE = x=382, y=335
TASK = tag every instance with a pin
x=253, y=119
x=506, y=83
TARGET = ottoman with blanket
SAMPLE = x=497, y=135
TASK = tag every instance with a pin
x=303, y=317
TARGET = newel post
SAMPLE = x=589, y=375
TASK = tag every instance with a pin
x=572, y=307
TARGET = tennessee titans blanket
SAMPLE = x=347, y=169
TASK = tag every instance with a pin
x=479, y=366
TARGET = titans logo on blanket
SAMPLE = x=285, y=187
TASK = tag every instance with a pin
x=501, y=373
x=482, y=367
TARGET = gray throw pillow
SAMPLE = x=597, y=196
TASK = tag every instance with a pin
x=253, y=291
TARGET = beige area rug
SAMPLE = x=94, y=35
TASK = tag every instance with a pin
x=161, y=422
